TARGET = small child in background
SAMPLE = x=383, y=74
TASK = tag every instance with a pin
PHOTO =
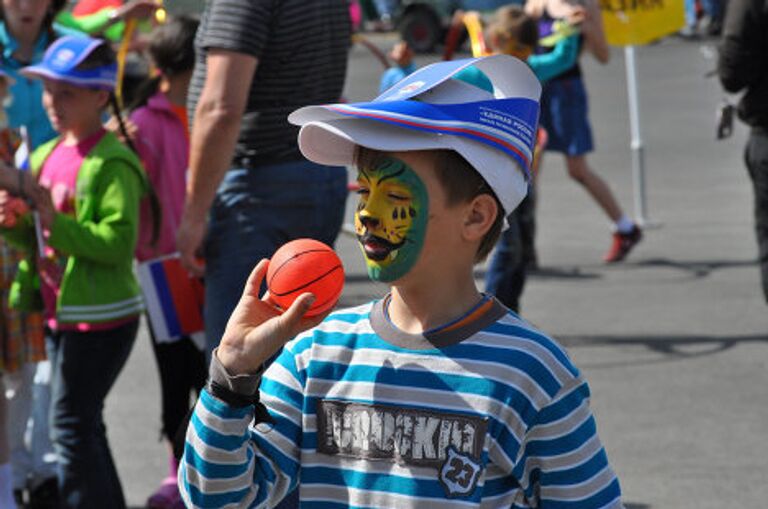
x=21, y=333
x=514, y=33
x=402, y=56
x=161, y=139
x=565, y=115
x=88, y=210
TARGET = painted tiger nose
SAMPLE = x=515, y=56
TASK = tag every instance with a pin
x=368, y=221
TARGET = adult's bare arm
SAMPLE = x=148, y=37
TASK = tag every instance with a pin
x=214, y=134
x=594, y=33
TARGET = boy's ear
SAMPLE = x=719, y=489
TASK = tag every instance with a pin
x=103, y=97
x=480, y=215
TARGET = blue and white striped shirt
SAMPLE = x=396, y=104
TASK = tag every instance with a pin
x=490, y=414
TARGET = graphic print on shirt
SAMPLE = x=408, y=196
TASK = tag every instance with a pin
x=451, y=443
x=459, y=473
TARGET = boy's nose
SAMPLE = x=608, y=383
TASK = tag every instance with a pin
x=368, y=221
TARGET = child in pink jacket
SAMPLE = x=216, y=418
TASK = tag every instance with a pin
x=162, y=142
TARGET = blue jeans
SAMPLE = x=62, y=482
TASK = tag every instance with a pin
x=713, y=9
x=506, y=274
x=85, y=366
x=386, y=8
x=256, y=210
x=32, y=458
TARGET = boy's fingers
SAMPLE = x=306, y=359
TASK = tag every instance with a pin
x=301, y=305
x=253, y=285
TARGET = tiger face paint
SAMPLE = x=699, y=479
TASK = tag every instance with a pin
x=391, y=218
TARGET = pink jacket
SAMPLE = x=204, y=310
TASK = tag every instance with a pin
x=164, y=150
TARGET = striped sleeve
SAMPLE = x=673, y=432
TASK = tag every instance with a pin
x=562, y=464
x=229, y=463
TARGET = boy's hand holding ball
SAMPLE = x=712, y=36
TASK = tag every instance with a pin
x=304, y=284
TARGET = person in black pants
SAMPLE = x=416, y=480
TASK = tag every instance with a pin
x=743, y=65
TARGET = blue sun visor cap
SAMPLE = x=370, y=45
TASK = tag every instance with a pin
x=440, y=107
x=62, y=58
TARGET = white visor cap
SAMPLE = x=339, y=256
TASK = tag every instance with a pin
x=335, y=143
x=330, y=133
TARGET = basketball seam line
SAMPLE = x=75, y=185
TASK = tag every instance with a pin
x=337, y=267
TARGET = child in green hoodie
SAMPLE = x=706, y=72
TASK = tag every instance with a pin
x=80, y=243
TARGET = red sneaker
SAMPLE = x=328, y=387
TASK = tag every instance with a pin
x=623, y=244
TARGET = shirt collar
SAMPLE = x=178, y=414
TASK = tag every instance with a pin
x=10, y=44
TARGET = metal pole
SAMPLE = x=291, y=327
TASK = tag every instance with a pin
x=638, y=150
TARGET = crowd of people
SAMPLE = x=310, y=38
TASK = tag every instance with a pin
x=438, y=391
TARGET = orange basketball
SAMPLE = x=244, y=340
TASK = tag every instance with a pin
x=305, y=265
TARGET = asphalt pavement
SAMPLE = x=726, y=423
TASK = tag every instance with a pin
x=674, y=341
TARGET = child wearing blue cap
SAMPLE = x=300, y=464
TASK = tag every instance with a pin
x=436, y=395
x=79, y=249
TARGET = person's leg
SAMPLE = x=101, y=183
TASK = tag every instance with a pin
x=237, y=239
x=385, y=8
x=506, y=274
x=19, y=394
x=172, y=360
x=40, y=445
x=174, y=386
x=714, y=13
x=626, y=233
x=86, y=366
x=690, y=13
x=526, y=212
x=579, y=170
x=756, y=158
x=6, y=475
x=255, y=212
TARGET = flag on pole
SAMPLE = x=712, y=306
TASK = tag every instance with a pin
x=174, y=299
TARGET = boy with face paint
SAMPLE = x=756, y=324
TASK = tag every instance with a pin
x=436, y=394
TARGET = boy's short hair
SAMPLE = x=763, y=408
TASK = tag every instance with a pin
x=512, y=22
x=461, y=183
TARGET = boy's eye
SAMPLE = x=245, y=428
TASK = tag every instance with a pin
x=362, y=191
x=398, y=197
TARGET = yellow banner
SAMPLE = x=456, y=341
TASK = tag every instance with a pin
x=636, y=22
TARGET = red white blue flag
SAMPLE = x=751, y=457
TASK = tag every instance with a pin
x=174, y=300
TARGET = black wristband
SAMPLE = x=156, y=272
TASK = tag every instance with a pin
x=233, y=399
x=230, y=397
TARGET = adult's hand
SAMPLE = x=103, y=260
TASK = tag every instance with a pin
x=11, y=208
x=257, y=329
x=189, y=243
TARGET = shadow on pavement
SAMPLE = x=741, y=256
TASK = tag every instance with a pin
x=671, y=347
x=636, y=506
x=697, y=268
x=573, y=272
x=562, y=273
